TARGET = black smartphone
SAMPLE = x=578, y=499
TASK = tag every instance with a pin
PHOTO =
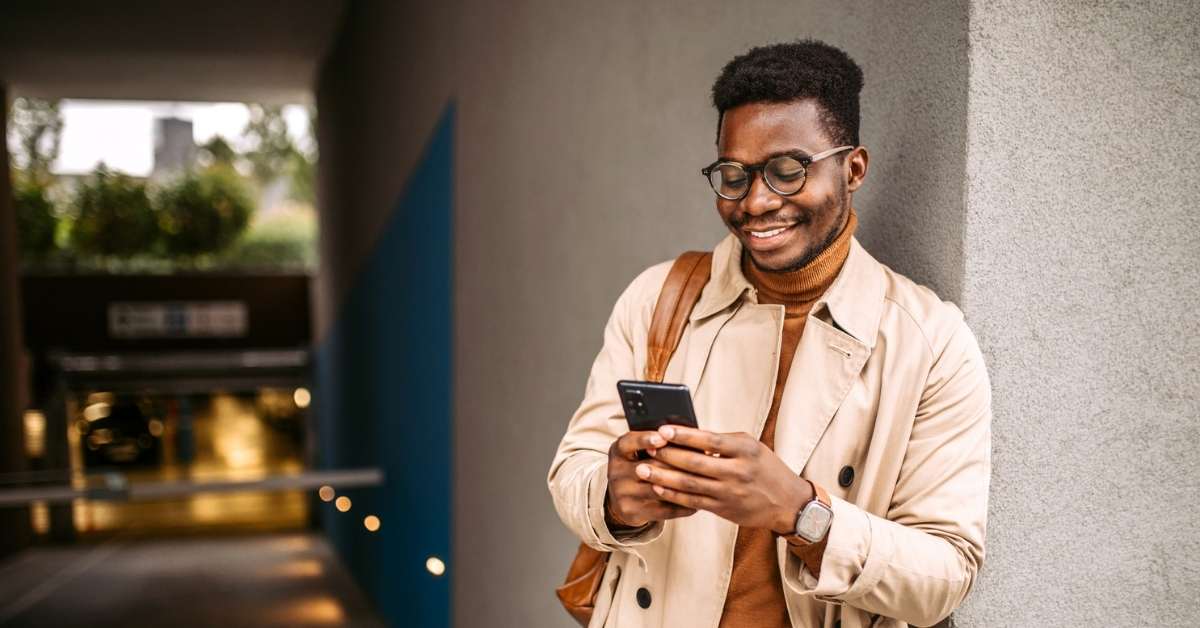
x=650, y=405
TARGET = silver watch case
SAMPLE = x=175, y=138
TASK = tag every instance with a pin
x=814, y=521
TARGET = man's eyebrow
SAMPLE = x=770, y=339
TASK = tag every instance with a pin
x=798, y=153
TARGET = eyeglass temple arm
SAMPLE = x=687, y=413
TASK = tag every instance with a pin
x=825, y=153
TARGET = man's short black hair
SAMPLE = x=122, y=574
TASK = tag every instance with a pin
x=795, y=71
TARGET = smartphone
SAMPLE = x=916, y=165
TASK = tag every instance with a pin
x=650, y=405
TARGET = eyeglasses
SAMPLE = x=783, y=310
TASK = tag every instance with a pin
x=785, y=174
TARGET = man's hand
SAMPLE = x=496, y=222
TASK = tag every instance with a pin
x=632, y=500
x=745, y=483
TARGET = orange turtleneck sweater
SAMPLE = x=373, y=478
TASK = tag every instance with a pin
x=755, y=597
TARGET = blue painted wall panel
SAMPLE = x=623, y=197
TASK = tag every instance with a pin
x=383, y=394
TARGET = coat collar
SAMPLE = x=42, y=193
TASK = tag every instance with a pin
x=854, y=301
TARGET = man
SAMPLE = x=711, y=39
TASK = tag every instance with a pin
x=840, y=477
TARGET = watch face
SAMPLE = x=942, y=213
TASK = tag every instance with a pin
x=814, y=522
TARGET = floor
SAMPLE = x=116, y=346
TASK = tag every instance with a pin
x=290, y=579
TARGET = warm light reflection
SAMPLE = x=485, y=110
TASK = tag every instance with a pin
x=371, y=523
x=97, y=411
x=238, y=434
x=156, y=428
x=315, y=610
x=342, y=503
x=101, y=397
x=435, y=566
x=291, y=544
x=300, y=568
x=39, y=517
x=325, y=493
x=302, y=397
x=35, y=434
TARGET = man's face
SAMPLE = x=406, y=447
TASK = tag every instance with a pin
x=813, y=217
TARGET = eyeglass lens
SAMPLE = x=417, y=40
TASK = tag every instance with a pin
x=784, y=175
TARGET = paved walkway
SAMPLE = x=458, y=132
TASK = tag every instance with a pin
x=289, y=580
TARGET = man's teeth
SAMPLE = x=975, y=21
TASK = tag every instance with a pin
x=767, y=234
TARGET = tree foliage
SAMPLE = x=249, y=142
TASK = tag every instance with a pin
x=218, y=152
x=274, y=155
x=35, y=128
x=36, y=220
x=204, y=212
x=113, y=215
x=272, y=149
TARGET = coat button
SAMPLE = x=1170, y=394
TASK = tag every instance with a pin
x=846, y=477
x=643, y=597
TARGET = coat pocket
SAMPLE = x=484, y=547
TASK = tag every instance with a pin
x=606, y=595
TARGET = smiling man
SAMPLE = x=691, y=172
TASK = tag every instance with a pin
x=840, y=473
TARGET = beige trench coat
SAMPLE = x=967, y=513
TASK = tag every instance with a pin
x=887, y=380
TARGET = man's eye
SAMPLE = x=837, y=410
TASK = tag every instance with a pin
x=734, y=183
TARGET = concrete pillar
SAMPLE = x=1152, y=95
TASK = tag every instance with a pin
x=1082, y=283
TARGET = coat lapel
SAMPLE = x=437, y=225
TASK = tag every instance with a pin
x=826, y=363
x=838, y=338
x=737, y=343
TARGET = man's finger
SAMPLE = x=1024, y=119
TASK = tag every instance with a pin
x=680, y=480
x=631, y=442
x=690, y=500
x=694, y=462
x=724, y=444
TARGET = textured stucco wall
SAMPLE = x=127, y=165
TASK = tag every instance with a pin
x=1082, y=283
x=582, y=130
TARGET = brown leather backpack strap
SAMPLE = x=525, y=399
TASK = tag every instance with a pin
x=679, y=295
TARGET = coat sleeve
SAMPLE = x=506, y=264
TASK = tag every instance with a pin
x=918, y=563
x=578, y=477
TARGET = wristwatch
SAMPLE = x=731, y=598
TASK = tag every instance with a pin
x=815, y=518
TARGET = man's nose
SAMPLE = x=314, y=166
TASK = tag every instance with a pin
x=761, y=199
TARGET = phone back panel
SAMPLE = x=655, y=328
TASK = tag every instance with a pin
x=650, y=405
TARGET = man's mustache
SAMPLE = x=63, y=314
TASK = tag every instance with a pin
x=740, y=220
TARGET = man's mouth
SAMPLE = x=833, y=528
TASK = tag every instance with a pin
x=768, y=233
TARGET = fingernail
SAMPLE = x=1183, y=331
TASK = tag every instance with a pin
x=657, y=441
x=658, y=489
x=652, y=451
x=667, y=431
x=643, y=471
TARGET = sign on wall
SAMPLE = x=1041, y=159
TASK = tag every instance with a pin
x=178, y=319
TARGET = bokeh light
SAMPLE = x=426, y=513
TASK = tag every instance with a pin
x=435, y=566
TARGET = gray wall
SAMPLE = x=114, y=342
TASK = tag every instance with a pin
x=1031, y=161
x=581, y=131
x=581, y=135
x=1083, y=285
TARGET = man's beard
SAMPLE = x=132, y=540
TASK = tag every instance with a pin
x=839, y=204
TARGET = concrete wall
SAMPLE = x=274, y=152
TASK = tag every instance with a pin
x=581, y=131
x=1033, y=161
x=1082, y=283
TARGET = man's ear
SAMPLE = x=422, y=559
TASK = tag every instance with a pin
x=856, y=167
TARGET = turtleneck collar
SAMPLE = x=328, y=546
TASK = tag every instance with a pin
x=803, y=285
